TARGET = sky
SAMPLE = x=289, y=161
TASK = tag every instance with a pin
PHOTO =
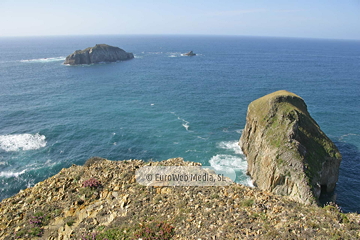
x=333, y=19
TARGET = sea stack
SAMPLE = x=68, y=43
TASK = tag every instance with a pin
x=98, y=53
x=286, y=151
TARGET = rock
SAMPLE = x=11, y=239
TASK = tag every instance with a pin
x=98, y=53
x=189, y=54
x=227, y=212
x=286, y=150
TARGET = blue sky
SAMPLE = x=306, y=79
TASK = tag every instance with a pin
x=336, y=19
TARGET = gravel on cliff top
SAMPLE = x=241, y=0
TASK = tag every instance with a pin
x=62, y=208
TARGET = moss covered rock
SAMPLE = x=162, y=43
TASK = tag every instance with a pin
x=286, y=150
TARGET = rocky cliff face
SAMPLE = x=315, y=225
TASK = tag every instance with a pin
x=286, y=150
x=98, y=53
x=102, y=200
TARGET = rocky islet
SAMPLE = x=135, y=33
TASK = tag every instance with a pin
x=97, y=54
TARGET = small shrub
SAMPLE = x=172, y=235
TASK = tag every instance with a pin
x=92, y=183
x=155, y=230
x=100, y=228
x=333, y=207
x=113, y=234
x=344, y=218
x=89, y=236
x=35, y=229
x=88, y=192
x=70, y=221
x=37, y=220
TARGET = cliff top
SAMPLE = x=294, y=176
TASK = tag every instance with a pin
x=99, y=47
x=103, y=199
x=267, y=103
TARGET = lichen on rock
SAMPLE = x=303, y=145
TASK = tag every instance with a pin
x=286, y=150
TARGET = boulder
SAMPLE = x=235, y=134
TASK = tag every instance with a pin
x=286, y=151
x=98, y=53
x=191, y=53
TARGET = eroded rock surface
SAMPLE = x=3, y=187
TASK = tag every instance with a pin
x=286, y=150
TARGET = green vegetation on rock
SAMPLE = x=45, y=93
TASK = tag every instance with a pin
x=286, y=150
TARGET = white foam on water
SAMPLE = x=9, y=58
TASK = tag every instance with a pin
x=191, y=150
x=11, y=174
x=202, y=137
x=248, y=182
x=236, y=161
x=155, y=53
x=185, y=123
x=341, y=138
x=226, y=160
x=223, y=161
x=52, y=59
x=174, y=54
x=26, y=141
x=239, y=131
x=231, y=145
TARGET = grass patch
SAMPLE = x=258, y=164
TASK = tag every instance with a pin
x=247, y=203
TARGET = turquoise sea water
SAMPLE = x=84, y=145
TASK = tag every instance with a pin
x=162, y=105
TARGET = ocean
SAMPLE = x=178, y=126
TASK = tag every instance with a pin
x=162, y=105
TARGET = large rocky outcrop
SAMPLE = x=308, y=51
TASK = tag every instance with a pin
x=286, y=150
x=98, y=53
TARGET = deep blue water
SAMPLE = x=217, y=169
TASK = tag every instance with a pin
x=162, y=105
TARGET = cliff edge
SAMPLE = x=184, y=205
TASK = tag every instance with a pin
x=287, y=153
x=102, y=200
x=98, y=53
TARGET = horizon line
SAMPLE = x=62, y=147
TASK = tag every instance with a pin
x=176, y=34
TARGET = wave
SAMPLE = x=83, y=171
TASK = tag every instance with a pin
x=11, y=174
x=239, y=131
x=173, y=54
x=43, y=60
x=239, y=164
x=185, y=123
x=231, y=145
x=226, y=160
x=341, y=138
x=26, y=141
x=236, y=161
x=28, y=168
x=248, y=182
